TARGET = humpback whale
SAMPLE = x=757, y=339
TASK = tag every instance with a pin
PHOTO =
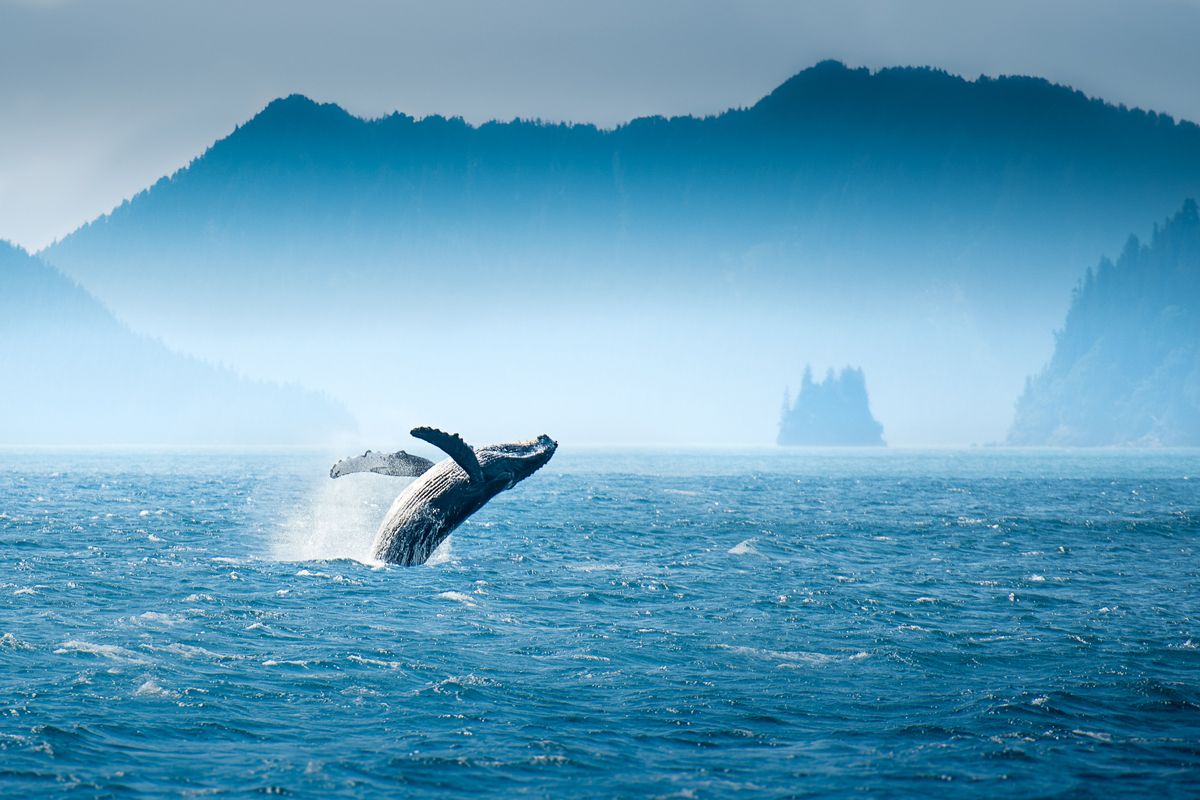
x=446, y=493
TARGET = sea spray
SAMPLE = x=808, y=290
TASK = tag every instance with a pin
x=337, y=519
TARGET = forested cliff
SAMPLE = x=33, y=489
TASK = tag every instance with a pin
x=1126, y=366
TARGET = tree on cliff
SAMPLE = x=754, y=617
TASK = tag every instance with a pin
x=1126, y=365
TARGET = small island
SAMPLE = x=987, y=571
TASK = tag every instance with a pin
x=833, y=412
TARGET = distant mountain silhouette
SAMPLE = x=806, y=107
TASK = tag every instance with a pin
x=74, y=375
x=903, y=159
x=917, y=222
x=1126, y=369
x=833, y=412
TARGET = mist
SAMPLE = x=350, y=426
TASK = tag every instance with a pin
x=665, y=281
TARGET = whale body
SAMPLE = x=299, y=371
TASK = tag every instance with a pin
x=446, y=493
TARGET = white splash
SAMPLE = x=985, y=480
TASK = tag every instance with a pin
x=8, y=640
x=110, y=651
x=152, y=688
x=440, y=554
x=339, y=519
x=459, y=596
x=745, y=548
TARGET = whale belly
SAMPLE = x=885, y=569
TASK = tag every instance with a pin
x=421, y=517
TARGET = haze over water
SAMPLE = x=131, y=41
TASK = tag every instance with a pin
x=627, y=622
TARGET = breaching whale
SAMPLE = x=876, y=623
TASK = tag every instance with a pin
x=446, y=493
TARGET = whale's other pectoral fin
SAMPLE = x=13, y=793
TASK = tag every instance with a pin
x=399, y=464
x=453, y=445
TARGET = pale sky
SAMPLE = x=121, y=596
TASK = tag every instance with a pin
x=99, y=98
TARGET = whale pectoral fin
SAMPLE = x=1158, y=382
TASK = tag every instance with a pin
x=399, y=464
x=452, y=445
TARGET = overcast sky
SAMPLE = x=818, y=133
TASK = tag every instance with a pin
x=99, y=98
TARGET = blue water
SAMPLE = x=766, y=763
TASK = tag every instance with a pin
x=626, y=623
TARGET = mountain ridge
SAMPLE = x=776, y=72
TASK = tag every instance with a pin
x=824, y=214
x=826, y=98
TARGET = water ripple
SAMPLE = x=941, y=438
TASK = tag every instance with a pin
x=627, y=623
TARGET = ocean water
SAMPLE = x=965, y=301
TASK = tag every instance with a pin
x=625, y=623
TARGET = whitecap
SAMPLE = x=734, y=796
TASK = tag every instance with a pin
x=336, y=578
x=785, y=655
x=377, y=662
x=151, y=688
x=745, y=548
x=110, y=651
x=8, y=640
x=191, y=651
x=459, y=596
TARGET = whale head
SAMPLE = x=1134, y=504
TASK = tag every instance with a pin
x=516, y=460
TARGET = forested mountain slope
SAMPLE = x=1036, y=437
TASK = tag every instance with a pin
x=905, y=158
x=1126, y=369
x=73, y=374
x=907, y=220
